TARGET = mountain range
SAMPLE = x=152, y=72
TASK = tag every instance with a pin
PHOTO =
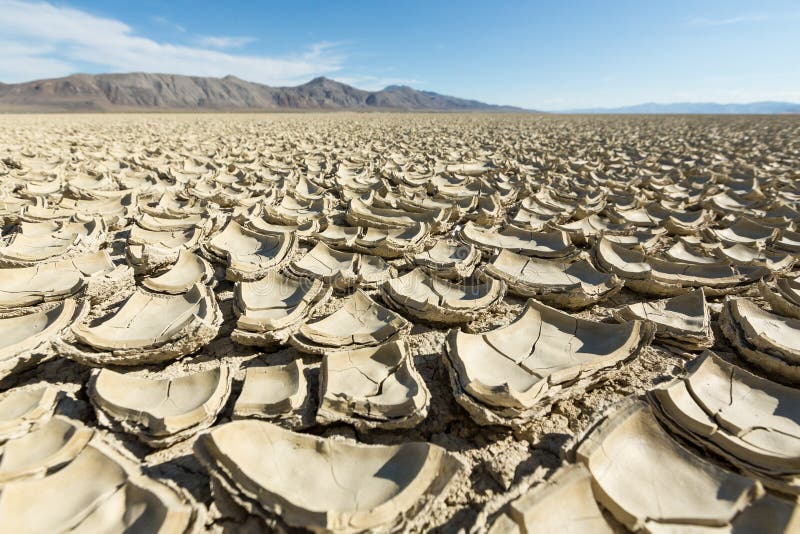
x=710, y=108
x=170, y=92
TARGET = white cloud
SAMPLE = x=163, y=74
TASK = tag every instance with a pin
x=707, y=22
x=219, y=41
x=164, y=21
x=27, y=62
x=43, y=40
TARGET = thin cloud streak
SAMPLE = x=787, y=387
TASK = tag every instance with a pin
x=707, y=22
x=164, y=21
x=216, y=41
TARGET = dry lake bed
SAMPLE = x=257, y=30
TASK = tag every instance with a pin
x=399, y=322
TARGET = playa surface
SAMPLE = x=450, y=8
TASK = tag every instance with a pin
x=223, y=203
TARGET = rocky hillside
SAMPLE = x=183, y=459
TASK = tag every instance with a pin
x=157, y=92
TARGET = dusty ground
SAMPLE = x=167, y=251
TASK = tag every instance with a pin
x=499, y=462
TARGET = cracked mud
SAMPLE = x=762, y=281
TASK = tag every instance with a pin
x=385, y=323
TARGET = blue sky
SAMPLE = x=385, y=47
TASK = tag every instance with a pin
x=543, y=55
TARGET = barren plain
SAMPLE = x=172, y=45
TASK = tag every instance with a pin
x=399, y=322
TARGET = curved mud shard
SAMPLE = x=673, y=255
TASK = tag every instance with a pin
x=563, y=285
x=25, y=340
x=769, y=341
x=648, y=481
x=159, y=412
x=325, y=485
x=273, y=308
x=359, y=322
x=98, y=491
x=508, y=375
x=752, y=422
x=432, y=299
x=375, y=387
x=683, y=321
x=24, y=409
x=275, y=392
x=147, y=328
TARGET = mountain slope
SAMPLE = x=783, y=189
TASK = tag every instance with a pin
x=156, y=92
x=710, y=108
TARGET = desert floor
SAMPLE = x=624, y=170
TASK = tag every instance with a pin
x=557, y=170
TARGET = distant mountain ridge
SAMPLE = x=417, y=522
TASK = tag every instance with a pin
x=166, y=92
x=711, y=108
